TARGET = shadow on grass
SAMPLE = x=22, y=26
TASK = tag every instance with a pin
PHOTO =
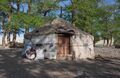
x=11, y=66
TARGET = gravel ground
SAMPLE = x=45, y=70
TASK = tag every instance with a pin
x=107, y=52
x=13, y=66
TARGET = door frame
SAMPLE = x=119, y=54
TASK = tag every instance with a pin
x=67, y=37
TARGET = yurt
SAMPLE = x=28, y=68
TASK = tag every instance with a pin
x=60, y=40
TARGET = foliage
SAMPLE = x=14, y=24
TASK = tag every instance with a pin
x=4, y=5
x=84, y=13
x=117, y=40
x=93, y=16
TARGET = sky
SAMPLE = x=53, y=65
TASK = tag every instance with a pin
x=110, y=1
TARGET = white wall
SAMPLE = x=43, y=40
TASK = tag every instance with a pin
x=82, y=46
x=47, y=46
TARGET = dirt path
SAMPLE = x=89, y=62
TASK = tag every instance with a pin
x=12, y=66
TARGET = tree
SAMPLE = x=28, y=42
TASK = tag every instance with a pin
x=5, y=8
x=82, y=13
x=107, y=22
x=116, y=34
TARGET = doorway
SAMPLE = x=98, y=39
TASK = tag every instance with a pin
x=63, y=46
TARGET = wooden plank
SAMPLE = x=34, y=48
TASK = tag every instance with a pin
x=63, y=46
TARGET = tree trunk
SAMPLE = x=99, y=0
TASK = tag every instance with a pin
x=3, y=39
x=14, y=39
x=15, y=30
x=29, y=9
x=4, y=32
x=26, y=30
x=4, y=42
x=73, y=12
x=45, y=12
x=61, y=9
x=107, y=42
x=94, y=43
x=18, y=5
x=103, y=41
x=8, y=39
x=8, y=29
x=110, y=42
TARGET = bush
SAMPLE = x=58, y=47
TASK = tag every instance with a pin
x=117, y=39
x=117, y=43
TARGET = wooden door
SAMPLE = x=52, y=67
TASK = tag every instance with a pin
x=63, y=46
